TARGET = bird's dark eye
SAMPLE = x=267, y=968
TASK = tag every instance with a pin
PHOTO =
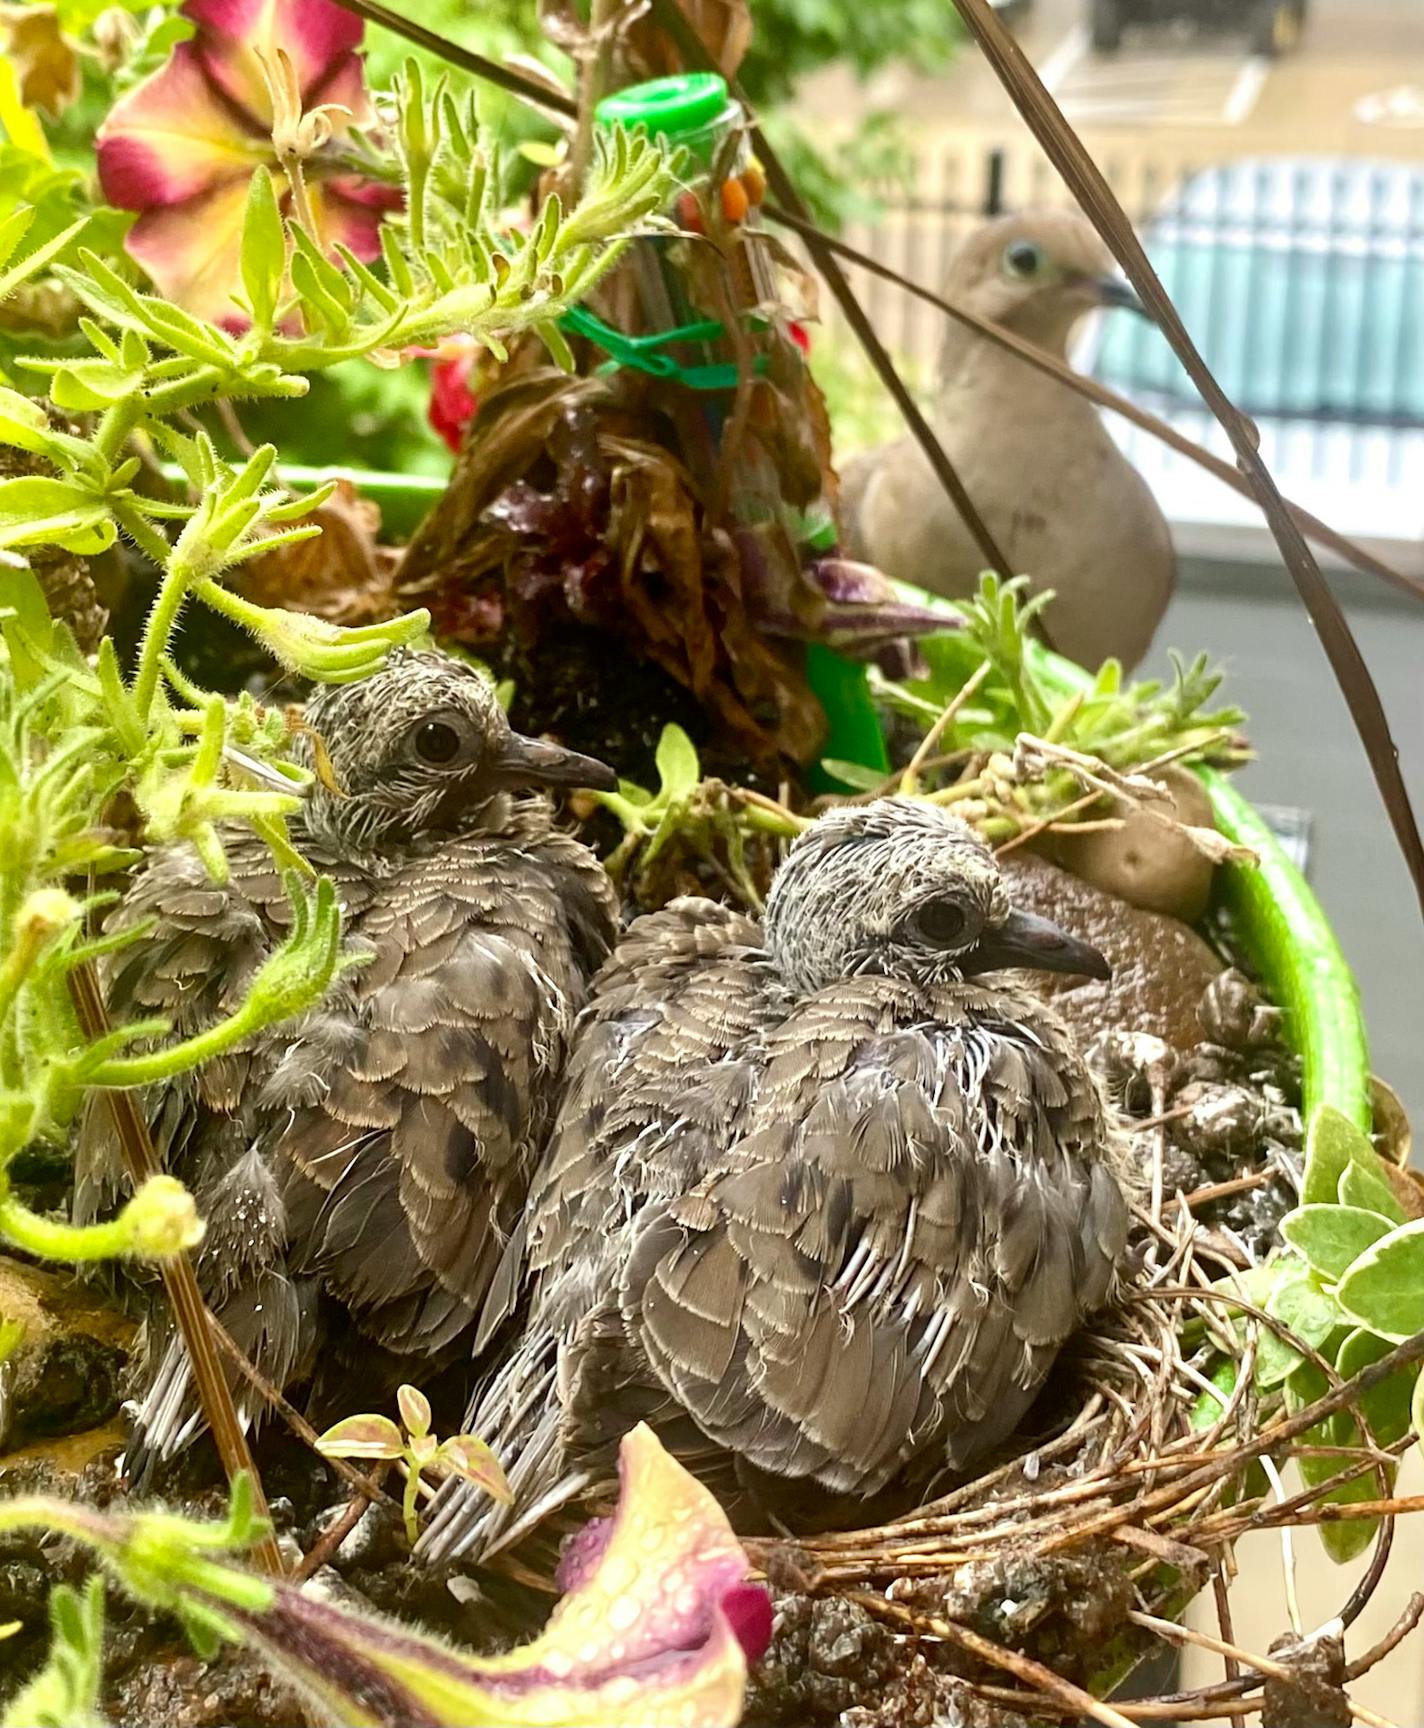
x=941, y=923
x=437, y=742
x=1023, y=259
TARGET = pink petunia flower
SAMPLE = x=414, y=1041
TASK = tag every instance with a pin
x=181, y=147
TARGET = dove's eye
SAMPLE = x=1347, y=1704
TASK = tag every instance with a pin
x=1023, y=259
x=941, y=923
x=437, y=742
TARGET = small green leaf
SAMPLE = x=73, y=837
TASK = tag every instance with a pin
x=678, y=768
x=1386, y=1406
x=1360, y=1186
x=1331, y=1143
x=84, y=386
x=1349, y=1538
x=414, y=1409
x=1332, y=1237
x=470, y=1458
x=23, y=422
x=853, y=774
x=35, y=511
x=264, y=249
x=362, y=1437
x=1209, y=1406
x=1299, y=1303
x=1384, y=1289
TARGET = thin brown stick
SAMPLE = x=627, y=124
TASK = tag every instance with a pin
x=1085, y=180
x=1408, y=1620
x=1178, y=1634
x=505, y=77
x=1022, y=1667
x=695, y=55
x=179, y=1279
x=1222, y=1594
x=1099, y=393
x=293, y=1417
x=326, y=1545
x=910, y=778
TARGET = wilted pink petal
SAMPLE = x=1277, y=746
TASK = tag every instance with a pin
x=173, y=137
x=191, y=251
x=349, y=210
x=652, y=1581
x=318, y=36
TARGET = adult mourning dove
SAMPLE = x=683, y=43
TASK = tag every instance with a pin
x=1064, y=505
x=372, y=1156
x=820, y=1199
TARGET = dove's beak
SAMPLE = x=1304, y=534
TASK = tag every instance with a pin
x=536, y=762
x=1116, y=295
x=1036, y=944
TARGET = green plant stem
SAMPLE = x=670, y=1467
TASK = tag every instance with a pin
x=51, y=1239
x=409, y=1500
x=157, y=632
x=124, y=1072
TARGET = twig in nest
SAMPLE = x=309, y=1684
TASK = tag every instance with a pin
x=1408, y=1620
x=1022, y=1667
x=327, y=1544
x=293, y=1417
x=1178, y=1634
x=910, y=779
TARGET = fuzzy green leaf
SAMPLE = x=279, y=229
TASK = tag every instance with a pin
x=1384, y=1289
x=1332, y=1237
x=1299, y=1303
x=35, y=511
x=86, y=386
x=65, y=1692
x=264, y=249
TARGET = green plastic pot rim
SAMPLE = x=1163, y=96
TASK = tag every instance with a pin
x=1312, y=982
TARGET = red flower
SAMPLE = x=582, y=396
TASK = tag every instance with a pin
x=453, y=403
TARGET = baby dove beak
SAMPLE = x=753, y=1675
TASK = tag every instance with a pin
x=1037, y=945
x=534, y=762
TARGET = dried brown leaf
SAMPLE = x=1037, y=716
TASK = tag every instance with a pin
x=343, y=574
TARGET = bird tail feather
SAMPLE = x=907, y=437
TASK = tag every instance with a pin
x=519, y=1416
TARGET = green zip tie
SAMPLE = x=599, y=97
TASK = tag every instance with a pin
x=643, y=353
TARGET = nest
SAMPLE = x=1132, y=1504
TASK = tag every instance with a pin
x=1029, y=1593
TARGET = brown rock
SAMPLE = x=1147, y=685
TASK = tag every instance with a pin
x=1146, y=862
x=1161, y=967
x=61, y=1375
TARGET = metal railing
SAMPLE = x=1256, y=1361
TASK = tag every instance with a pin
x=1301, y=280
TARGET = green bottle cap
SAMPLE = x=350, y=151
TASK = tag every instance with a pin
x=673, y=108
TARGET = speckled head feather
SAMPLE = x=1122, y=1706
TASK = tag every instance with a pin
x=901, y=888
x=423, y=747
